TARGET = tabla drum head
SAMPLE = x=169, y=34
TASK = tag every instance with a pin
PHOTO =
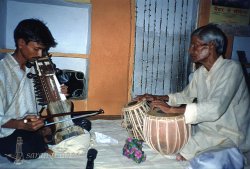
x=132, y=103
x=160, y=113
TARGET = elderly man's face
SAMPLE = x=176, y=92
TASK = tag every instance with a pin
x=198, y=50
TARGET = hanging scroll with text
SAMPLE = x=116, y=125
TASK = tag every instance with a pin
x=230, y=12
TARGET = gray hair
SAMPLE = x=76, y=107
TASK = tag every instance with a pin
x=212, y=33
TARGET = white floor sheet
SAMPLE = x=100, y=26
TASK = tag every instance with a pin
x=108, y=138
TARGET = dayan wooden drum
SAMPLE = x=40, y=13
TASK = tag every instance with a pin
x=165, y=133
x=133, y=115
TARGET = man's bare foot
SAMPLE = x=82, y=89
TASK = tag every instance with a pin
x=179, y=157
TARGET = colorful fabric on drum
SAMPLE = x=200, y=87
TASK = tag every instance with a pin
x=133, y=150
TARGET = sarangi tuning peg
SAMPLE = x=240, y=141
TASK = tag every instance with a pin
x=38, y=93
x=42, y=103
x=41, y=100
x=37, y=86
x=30, y=75
x=29, y=64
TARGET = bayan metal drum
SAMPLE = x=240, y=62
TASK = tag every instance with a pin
x=166, y=133
x=133, y=116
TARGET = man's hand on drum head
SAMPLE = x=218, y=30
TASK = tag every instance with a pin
x=166, y=108
x=147, y=97
x=161, y=105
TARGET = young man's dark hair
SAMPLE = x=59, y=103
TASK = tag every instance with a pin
x=34, y=30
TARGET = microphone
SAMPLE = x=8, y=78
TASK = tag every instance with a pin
x=91, y=155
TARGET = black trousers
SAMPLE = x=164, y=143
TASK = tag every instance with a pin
x=32, y=145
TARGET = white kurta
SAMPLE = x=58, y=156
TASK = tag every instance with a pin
x=221, y=116
x=17, y=97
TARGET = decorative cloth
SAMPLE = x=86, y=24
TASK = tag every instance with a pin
x=133, y=150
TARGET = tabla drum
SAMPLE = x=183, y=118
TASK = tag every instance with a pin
x=166, y=133
x=133, y=115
